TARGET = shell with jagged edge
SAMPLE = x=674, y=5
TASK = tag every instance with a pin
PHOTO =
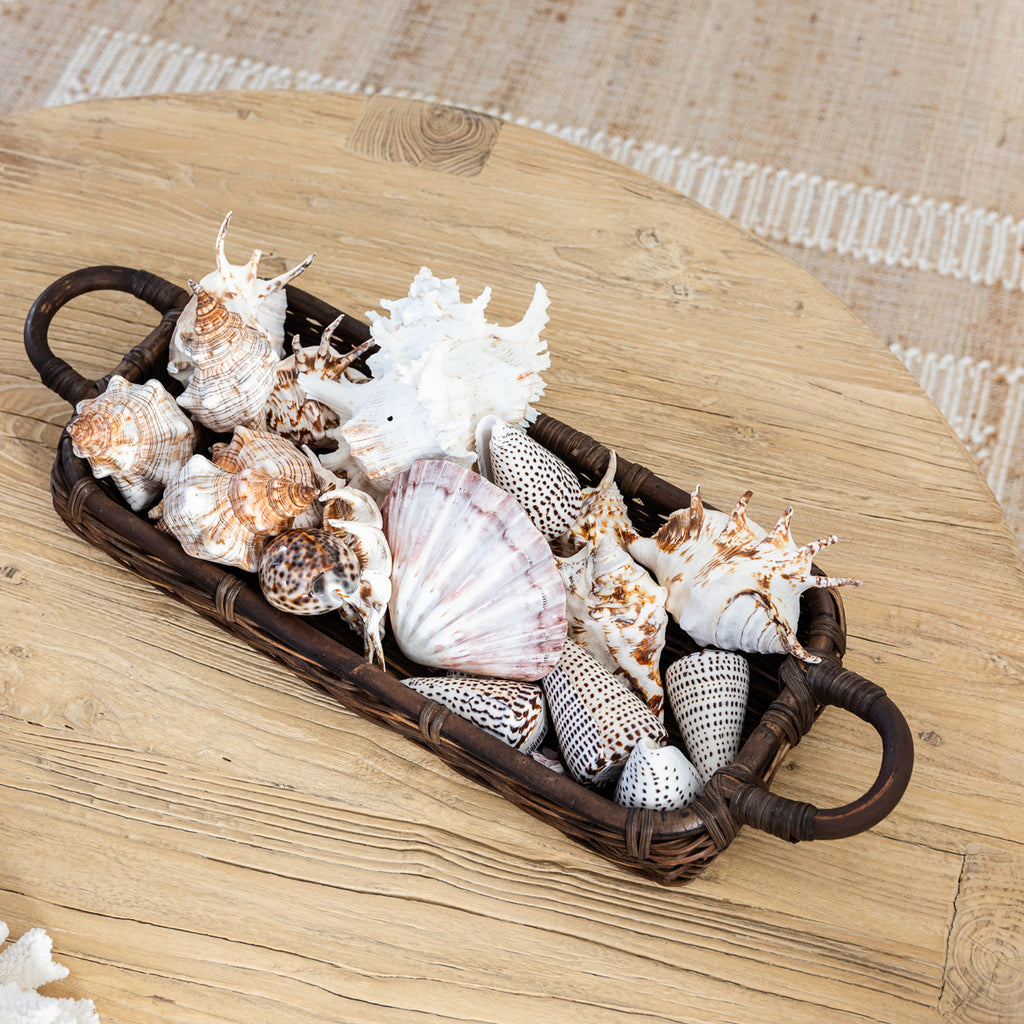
x=260, y=302
x=290, y=412
x=439, y=369
x=227, y=517
x=235, y=368
x=616, y=610
x=475, y=586
x=136, y=435
x=731, y=584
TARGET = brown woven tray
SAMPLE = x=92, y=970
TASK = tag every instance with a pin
x=670, y=847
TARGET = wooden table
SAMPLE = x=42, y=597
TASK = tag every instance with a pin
x=208, y=839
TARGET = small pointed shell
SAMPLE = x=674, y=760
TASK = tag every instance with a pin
x=708, y=692
x=135, y=434
x=308, y=572
x=541, y=482
x=658, y=776
x=475, y=586
x=598, y=719
x=512, y=711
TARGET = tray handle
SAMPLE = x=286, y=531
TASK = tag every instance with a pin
x=57, y=374
x=750, y=801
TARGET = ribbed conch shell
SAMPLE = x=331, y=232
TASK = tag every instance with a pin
x=352, y=516
x=308, y=572
x=512, y=711
x=616, y=611
x=440, y=368
x=235, y=367
x=708, y=692
x=541, y=482
x=259, y=302
x=658, y=776
x=597, y=717
x=475, y=587
x=226, y=517
x=290, y=412
x=135, y=434
x=731, y=584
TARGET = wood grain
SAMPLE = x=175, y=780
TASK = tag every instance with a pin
x=207, y=839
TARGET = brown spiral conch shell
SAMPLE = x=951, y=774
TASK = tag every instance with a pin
x=235, y=367
x=227, y=517
x=259, y=302
x=731, y=584
x=290, y=411
x=136, y=435
x=616, y=611
x=475, y=586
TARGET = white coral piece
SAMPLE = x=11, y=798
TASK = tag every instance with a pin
x=26, y=965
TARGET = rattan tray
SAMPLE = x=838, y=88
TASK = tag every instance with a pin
x=669, y=847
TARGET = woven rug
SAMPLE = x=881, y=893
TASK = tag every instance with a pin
x=879, y=145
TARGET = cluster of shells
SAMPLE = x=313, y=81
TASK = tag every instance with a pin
x=411, y=499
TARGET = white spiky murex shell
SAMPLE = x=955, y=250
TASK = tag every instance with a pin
x=226, y=517
x=597, y=717
x=475, y=588
x=439, y=369
x=616, y=611
x=659, y=776
x=708, y=691
x=260, y=302
x=290, y=411
x=136, y=435
x=731, y=584
x=235, y=367
x=541, y=482
x=512, y=711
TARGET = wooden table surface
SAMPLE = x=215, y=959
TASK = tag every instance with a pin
x=207, y=839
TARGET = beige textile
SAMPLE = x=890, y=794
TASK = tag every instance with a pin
x=878, y=144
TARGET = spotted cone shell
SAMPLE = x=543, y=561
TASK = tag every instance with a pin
x=708, y=693
x=308, y=572
x=514, y=712
x=542, y=483
x=136, y=435
x=597, y=717
x=475, y=588
x=660, y=777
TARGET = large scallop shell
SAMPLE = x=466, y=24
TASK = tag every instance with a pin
x=514, y=712
x=541, y=482
x=731, y=584
x=597, y=717
x=135, y=434
x=259, y=302
x=235, y=367
x=475, y=586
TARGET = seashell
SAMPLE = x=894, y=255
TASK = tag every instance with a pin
x=598, y=719
x=616, y=611
x=135, y=434
x=475, y=586
x=439, y=369
x=540, y=481
x=352, y=516
x=660, y=777
x=259, y=302
x=290, y=412
x=226, y=517
x=235, y=367
x=731, y=584
x=512, y=711
x=308, y=572
x=708, y=692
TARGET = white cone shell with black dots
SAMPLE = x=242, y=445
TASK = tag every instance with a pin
x=514, y=712
x=660, y=777
x=597, y=717
x=708, y=693
x=541, y=482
